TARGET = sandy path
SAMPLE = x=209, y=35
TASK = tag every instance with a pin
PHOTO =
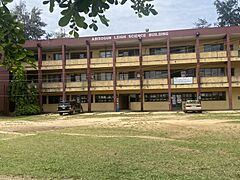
x=145, y=120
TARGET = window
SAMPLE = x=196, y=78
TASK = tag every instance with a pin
x=128, y=52
x=134, y=97
x=58, y=56
x=127, y=75
x=105, y=54
x=76, y=77
x=158, y=51
x=44, y=57
x=213, y=47
x=54, y=99
x=156, y=97
x=212, y=72
x=79, y=55
x=182, y=49
x=81, y=98
x=54, y=78
x=189, y=96
x=155, y=74
x=183, y=73
x=104, y=76
x=213, y=96
x=104, y=98
x=83, y=77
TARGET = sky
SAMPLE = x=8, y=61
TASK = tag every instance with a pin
x=172, y=15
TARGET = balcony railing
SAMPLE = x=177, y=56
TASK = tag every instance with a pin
x=213, y=56
x=154, y=59
x=183, y=58
x=52, y=87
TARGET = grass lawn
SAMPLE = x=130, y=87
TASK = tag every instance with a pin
x=96, y=152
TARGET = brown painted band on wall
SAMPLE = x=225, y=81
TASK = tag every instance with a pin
x=229, y=74
x=89, y=76
x=141, y=73
x=132, y=37
x=114, y=76
x=64, y=72
x=198, y=66
x=40, y=75
x=169, y=74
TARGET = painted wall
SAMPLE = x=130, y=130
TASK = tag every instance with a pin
x=236, y=98
x=156, y=106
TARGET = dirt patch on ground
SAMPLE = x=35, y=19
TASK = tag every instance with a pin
x=147, y=121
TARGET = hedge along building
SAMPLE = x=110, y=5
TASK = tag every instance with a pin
x=141, y=71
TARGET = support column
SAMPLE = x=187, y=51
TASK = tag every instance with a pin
x=141, y=72
x=229, y=74
x=40, y=76
x=114, y=76
x=169, y=74
x=198, y=66
x=89, y=76
x=64, y=72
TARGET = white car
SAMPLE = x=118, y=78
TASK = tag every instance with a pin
x=192, y=106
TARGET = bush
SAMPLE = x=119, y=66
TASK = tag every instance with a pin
x=28, y=109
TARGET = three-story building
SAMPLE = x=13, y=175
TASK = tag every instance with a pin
x=151, y=71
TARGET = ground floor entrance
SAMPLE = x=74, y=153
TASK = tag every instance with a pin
x=123, y=102
x=179, y=98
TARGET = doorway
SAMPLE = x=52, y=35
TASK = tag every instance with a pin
x=124, y=102
x=177, y=102
x=179, y=98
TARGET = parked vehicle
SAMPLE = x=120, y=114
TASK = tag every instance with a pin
x=69, y=107
x=192, y=106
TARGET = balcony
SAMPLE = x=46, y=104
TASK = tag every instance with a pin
x=52, y=87
x=236, y=81
x=214, y=82
x=50, y=65
x=155, y=84
x=127, y=61
x=154, y=59
x=102, y=62
x=235, y=55
x=218, y=56
x=76, y=86
x=101, y=85
x=183, y=58
x=76, y=63
x=128, y=84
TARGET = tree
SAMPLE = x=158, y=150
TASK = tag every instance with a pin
x=202, y=23
x=33, y=26
x=13, y=55
x=77, y=13
x=228, y=12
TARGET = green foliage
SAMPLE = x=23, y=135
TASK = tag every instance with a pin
x=32, y=24
x=77, y=13
x=202, y=23
x=228, y=12
x=13, y=56
x=11, y=41
x=24, y=96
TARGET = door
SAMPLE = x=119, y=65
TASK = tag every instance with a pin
x=124, y=102
x=177, y=102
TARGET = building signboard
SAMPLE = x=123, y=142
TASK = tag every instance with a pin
x=182, y=80
x=129, y=36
